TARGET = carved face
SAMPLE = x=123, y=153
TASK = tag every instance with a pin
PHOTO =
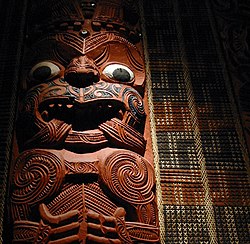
x=84, y=95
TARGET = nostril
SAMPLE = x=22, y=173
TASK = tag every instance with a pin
x=81, y=72
x=82, y=79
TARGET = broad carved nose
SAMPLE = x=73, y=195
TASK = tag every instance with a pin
x=81, y=72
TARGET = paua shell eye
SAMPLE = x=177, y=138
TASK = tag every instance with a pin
x=119, y=73
x=44, y=71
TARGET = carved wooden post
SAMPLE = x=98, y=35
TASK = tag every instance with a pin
x=82, y=175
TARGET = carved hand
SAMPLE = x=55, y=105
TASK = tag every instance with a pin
x=59, y=229
x=107, y=229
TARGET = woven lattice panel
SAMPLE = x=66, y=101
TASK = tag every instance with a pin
x=203, y=166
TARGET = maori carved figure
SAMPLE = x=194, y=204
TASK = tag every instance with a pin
x=82, y=175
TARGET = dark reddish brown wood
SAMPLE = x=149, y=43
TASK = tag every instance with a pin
x=81, y=175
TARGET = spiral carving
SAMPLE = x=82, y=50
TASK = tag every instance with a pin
x=37, y=175
x=135, y=103
x=102, y=90
x=129, y=176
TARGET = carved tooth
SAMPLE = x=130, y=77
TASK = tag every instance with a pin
x=51, y=105
x=110, y=106
x=59, y=105
x=69, y=105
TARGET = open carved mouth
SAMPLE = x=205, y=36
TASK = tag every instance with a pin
x=82, y=117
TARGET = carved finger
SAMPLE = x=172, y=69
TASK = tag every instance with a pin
x=100, y=217
x=104, y=229
x=66, y=240
x=65, y=228
x=102, y=240
x=46, y=215
x=120, y=212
